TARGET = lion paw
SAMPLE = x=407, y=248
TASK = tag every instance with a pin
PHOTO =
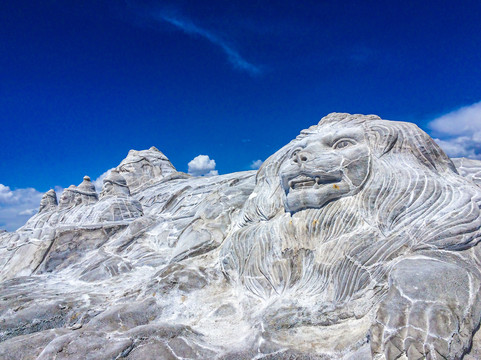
x=417, y=329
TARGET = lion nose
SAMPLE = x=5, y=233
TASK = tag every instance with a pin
x=300, y=157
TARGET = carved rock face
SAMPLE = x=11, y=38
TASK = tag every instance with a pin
x=86, y=193
x=144, y=167
x=68, y=198
x=115, y=185
x=357, y=240
x=323, y=167
x=76, y=195
x=48, y=202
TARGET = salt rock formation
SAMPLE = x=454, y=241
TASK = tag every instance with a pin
x=357, y=240
x=48, y=202
x=115, y=203
x=469, y=168
x=85, y=193
x=115, y=185
x=143, y=168
x=68, y=197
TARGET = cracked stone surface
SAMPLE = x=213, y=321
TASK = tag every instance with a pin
x=357, y=240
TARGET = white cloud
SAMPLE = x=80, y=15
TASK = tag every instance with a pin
x=459, y=132
x=190, y=28
x=256, y=164
x=28, y=212
x=456, y=147
x=202, y=165
x=17, y=206
x=58, y=190
x=100, y=181
x=462, y=121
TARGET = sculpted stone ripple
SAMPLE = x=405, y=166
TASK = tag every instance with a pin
x=357, y=240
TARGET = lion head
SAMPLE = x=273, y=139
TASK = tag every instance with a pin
x=334, y=208
x=325, y=166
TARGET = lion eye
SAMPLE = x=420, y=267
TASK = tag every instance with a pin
x=343, y=143
x=294, y=154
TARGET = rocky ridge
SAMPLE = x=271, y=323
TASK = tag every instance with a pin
x=346, y=244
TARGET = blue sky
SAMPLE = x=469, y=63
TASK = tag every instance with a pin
x=83, y=82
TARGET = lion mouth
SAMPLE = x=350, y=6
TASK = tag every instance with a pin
x=304, y=182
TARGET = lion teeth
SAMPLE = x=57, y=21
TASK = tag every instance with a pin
x=305, y=183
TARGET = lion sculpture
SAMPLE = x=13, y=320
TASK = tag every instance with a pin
x=359, y=217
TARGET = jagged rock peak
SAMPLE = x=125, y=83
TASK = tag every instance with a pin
x=49, y=201
x=145, y=167
x=153, y=154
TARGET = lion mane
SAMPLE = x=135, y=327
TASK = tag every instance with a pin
x=413, y=201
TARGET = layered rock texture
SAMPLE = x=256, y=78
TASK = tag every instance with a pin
x=357, y=240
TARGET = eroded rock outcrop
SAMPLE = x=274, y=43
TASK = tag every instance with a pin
x=143, y=168
x=48, y=202
x=357, y=240
x=469, y=168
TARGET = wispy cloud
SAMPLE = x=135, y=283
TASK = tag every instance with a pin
x=459, y=132
x=256, y=164
x=16, y=206
x=190, y=28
